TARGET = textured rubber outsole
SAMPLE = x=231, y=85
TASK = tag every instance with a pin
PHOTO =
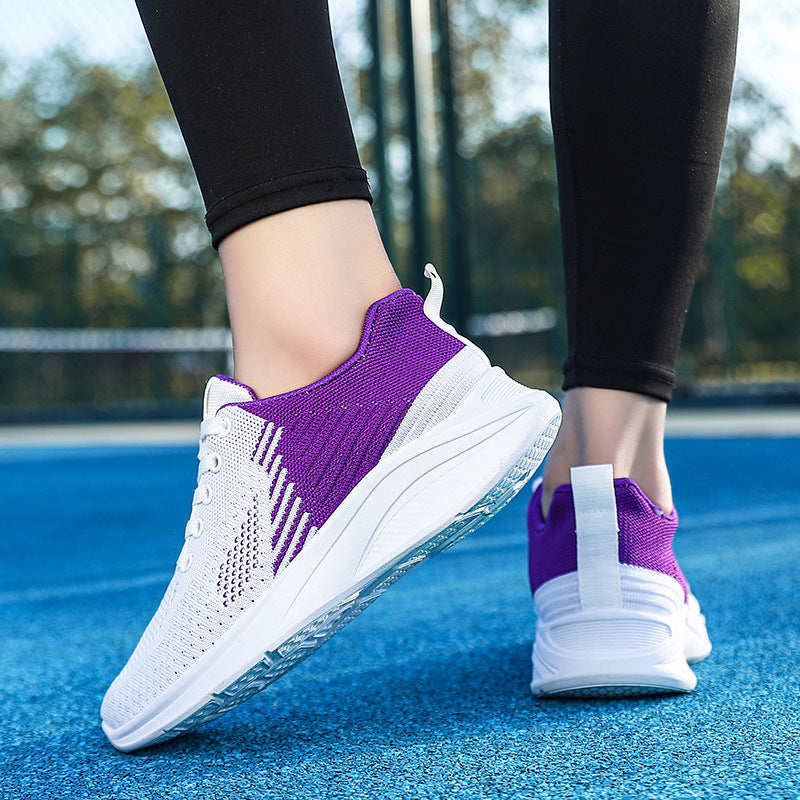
x=620, y=684
x=315, y=633
x=600, y=692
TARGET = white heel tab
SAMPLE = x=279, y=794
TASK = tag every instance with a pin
x=596, y=529
x=433, y=309
x=433, y=302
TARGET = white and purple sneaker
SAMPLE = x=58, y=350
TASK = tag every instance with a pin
x=311, y=503
x=614, y=612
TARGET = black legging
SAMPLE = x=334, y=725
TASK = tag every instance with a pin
x=639, y=93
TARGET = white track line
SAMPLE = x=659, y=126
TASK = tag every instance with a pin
x=733, y=423
x=681, y=423
x=733, y=518
x=45, y=593
x=145, y=434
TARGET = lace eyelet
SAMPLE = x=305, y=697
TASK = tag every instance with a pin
x=217, y=465
x=194, y=530
x=207, y=495
x=228, y=425
x=184, y=562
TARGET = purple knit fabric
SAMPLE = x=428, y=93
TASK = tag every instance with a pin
x=336, y=430
x=645, y=534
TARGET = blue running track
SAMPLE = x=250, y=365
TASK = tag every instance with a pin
x=425, y=695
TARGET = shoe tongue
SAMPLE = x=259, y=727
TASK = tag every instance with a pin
x=221, y=391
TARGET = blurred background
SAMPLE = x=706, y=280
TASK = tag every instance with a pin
x=111, y=298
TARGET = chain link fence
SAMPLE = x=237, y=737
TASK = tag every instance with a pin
x=101, y=220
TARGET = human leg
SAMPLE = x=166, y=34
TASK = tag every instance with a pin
x=299, y=284
x=640, y=93
x=374, y=437
x=610, y=426
x=257, y=94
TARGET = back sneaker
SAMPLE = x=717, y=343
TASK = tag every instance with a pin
x=311, y=503
x=614, y=611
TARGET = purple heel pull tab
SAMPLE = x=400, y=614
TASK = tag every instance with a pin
x=334, y=431
x=646, y=535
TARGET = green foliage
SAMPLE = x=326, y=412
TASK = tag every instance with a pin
x=101, y=225
x=515, y=247
x=744, y=321
x=516, y=254
x=500, y=51
x=100, y=219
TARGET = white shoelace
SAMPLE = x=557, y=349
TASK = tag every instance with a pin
x=208, y=462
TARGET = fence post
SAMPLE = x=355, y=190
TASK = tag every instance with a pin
x=420, y=247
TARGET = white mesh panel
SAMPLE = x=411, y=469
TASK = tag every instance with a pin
x=439, y=398
x=229, y=571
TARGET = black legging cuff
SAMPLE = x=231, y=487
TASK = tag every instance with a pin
x=647, y=379
x=281, y=194
x=256, y=91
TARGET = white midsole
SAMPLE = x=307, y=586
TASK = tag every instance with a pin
x=697, y=645
x=406, y=499
x=640, y=643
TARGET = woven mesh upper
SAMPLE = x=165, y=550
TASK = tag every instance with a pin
x=337, y=429
x=287, y=463
x=646, y=534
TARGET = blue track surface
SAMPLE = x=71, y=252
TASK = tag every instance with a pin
x=425, y=694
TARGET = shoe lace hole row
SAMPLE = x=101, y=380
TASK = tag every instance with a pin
x=194, y=529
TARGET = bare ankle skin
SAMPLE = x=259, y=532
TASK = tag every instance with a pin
x=299, y=284
x=606, y=426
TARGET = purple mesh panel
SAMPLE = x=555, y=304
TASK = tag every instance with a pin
x=645, y=537
x=646, y=532
x=336, y=430
x=552, y=548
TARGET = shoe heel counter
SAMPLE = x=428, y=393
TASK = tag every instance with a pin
x=639, y=645
x=609, y=626
x=439, y=398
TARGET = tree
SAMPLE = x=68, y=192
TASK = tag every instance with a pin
x=100, y=223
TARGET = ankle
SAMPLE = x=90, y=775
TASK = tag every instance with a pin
x=604, y=426
x=278, y=361
x=299, y=284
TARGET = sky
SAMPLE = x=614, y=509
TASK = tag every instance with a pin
x=768, y=55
